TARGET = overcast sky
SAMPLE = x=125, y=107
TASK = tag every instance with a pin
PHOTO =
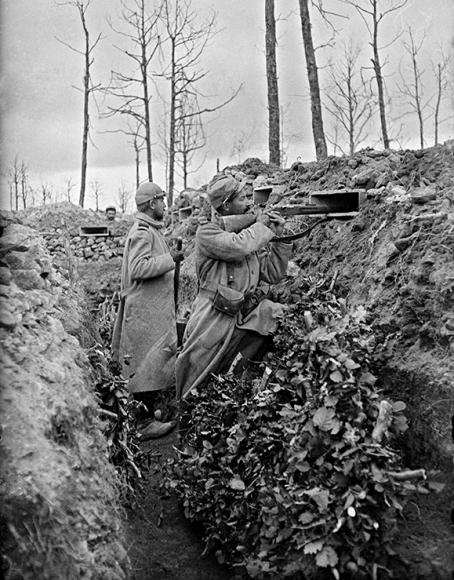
x=42, y=111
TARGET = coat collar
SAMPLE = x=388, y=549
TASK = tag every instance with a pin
x=143, y=217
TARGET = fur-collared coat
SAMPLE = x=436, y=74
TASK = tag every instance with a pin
x=209, y=331
x=144, y=337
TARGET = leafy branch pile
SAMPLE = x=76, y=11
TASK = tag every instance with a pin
x=284, y=474
x=117, y=408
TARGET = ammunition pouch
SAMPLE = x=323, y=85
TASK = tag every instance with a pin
x=227, y=300
x=251, y=301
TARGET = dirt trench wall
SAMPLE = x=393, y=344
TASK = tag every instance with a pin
x=59, y=497
x=396, y=259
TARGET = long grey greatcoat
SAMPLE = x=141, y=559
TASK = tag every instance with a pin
x=209, y=331
x=144, y=337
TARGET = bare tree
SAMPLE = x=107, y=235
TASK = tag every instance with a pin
x=285, y=136
x=24, y=183
x=14, y=179
x=189, y=138
x=133, y=131
x=96, y=191
x=274, y=145
x=138, y=144
x=349, y=100
x=372, y=13
x=283, y=146
x=240, y=143
x=88, y=88
x=133, y=90
x=314, y=87
x=123, y=197
x=69, y=187
x=441, y=69
x=413, y=89
x=188, y=40
x=32, y=193
x=46, y=193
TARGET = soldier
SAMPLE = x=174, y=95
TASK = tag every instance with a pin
x=111, y=213
x=144, y=337
x=229, y=268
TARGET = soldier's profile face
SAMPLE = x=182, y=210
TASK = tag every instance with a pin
x=239, y=204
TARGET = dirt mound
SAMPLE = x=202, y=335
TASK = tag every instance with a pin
x=66, y=217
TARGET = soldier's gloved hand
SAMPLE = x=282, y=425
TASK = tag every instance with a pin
x=177, y=255
x=277, y=222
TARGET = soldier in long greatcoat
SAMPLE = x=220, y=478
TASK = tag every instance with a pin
x=144, y=338
x=229, y=268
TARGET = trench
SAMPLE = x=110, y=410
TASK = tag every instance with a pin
x=394, y=259
x=162, y=544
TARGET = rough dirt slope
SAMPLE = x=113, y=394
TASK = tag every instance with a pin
x=395, y=258
x=59, y=495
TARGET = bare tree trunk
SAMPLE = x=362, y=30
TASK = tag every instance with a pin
x=133, y=89
x=146, y=96
x=137, y=160
x=185, y=168
x=377, y=10
x=15, y=179
x=414, y=90
x=351, y=113
x=418, y=101
x=82, y=6
x=437, y=104
x=23, y=184
x=273, y=90
x=379, y=78
x=16, y=195
x=86, y=127
x=312, y=74
x=173, y=81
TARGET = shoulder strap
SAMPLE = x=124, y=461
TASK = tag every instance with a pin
x=142, y=226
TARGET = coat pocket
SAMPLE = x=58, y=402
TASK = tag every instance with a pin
x=227, y=300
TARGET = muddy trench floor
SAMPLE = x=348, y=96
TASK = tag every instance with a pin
x=162, y=544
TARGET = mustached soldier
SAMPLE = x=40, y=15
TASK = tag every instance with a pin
x=229, y=268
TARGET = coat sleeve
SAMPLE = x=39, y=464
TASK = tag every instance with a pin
x=217, y=244
x=274, y=262
x=143, y=261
